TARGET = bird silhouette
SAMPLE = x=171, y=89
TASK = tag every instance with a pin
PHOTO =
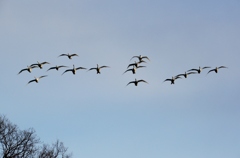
x=29, y=69
x=98, y=68
x=216, y=69
x=136, y=82
x=36, y=79
x=73, y=70
x=68, y=55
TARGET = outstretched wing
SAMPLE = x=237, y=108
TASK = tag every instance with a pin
x=206, y=67
x=62, y=55
x=130, y=83
x=45, y=62
x=62, y=66
x=142, y=81
x=80, y=68
x=134, y=57
x=222, y=67
x=22, y=70
x=146, y=58
x=51, y=68
x=42, y=76
x=67, y=71
x=73, y=55
x=103, y=67
x=94, y=68
x=133, y=64
x=34, y=80
x=193, y=70
x=191, y=73
x=210, y=71
x=167, y=80
x=127, y=70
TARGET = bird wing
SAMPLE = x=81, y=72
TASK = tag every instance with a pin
x=94, y=68
x=142, y=81
x=210, y=71
x=62, y=66
x=131, y=65
x=146, y=57
x=22, y=70
x=134, y=57
x=127, y=70
x=34, y=80
x=177, y=77
x=130, y=82
x=73, y=55
x=103, y=67
x=222, y=67
x=140, y=66
x=51, y=68
x=80, y=68
x=62, y=55
x=191, y=73
x=167, y=80
x=33, y=65
x=193, y=70
x=45, y=62
x=42, y=76
x=180, y=75
x=206, y=67
x=67, y=71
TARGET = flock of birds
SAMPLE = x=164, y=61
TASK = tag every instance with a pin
x=134, y=66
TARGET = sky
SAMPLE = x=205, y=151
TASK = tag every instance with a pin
x=97, y=115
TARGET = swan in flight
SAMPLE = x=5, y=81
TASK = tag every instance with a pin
x=134, y=69
x=29, y=69
x=186, y=74
x=136, y=64
x=37, y=79
x=172, y=79
x=136, y=82
x=199, y=70
x=216, y=69
x=56, y=67
x=68, y=55
x=98, y=68
x=140, y=58
x=40, y=64
x=73, y=70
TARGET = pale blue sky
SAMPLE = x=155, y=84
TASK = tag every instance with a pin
x=97, y=115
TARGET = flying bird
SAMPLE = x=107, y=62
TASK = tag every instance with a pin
x=136, y=64
x=98, y=68
x=37, y=79
x=216, y=69
x=172, y=79
x=134, y=69
x=136, y=82
x=40, y=64
x=199, y=70
x=186, y=74
x=68, y=55
x=56, y=67
x=140, y=58
x=73, y=69
x=29, y=69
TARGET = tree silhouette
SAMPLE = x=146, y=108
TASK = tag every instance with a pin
x=16, y=143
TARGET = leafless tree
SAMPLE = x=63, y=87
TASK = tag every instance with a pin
x=16, y=143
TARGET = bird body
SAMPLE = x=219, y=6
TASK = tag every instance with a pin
x=68, y=55
x=98, y=68
x=216, y=69
x=73, y=70
x=136, y=82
